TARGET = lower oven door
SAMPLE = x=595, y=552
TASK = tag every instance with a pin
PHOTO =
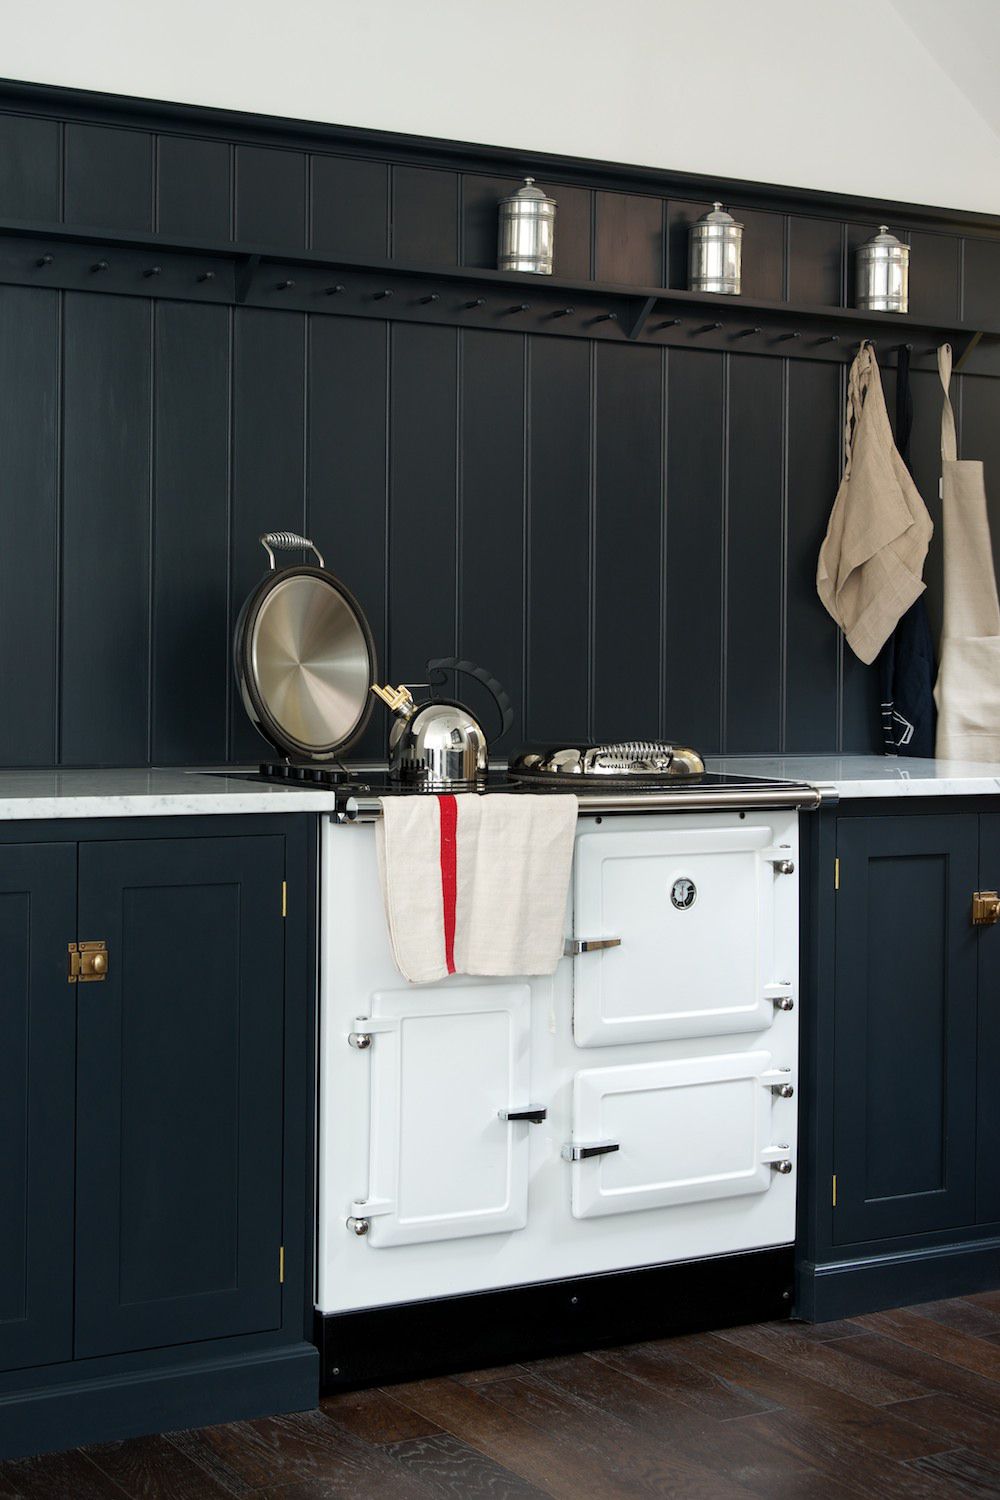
x=652, y=1135
x=448, y=1064
x=693, y=913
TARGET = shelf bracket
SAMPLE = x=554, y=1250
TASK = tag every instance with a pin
x=967, y=349
x=246, y=266
x=640, y=319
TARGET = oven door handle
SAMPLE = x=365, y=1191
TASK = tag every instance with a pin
x=533, y=1113
x=580, y=1151
x=576, y=946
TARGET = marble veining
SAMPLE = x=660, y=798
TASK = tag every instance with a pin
x=870, y=775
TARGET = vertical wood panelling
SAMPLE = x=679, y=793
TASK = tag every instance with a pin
x=491, y=531
x=693, y=603
x=982, y=282
x=190, y=659
x=763, y=264
x=815, y=274
x=29, y=558
x=109, y=177
x=574, y=213
x=349, y=202
x=193, y=188
x=935, y=276
x=755, y=582
x=270, y=196
x=422, y=507
x=346, y=492
x=627, y=553
x=558, y=686
x=29, y=168
x=268, y=475
x=425, y=216
x=811, y=635
x=106, y=524
x=628, y=244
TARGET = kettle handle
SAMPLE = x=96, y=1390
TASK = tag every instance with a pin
x=496, y=690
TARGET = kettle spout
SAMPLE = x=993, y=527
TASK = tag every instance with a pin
x=399, y=699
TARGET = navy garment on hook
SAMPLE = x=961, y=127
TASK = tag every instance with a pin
x=907, y=668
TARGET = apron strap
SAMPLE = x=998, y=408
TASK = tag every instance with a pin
x=949, y=444
x=858, y=381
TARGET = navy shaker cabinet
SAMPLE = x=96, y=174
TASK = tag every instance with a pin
x=156, y=1112
x=37, y=1083
x=900, y=1199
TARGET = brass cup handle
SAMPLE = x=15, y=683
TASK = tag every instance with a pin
x=985, y=908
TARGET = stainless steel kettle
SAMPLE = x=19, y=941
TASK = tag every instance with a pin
x=438, y=745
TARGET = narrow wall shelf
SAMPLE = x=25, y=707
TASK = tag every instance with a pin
x=141, y=264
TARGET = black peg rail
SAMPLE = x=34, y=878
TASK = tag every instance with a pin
x=142, y=265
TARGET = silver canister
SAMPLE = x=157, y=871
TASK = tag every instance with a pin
x=715, y=252
x=526, y=231
x=883, y=273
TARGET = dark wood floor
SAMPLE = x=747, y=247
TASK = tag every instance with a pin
x=897, y=1403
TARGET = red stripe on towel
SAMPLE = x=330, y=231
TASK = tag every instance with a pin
x=449, y=874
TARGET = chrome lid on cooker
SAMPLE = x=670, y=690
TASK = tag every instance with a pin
x=626, y=760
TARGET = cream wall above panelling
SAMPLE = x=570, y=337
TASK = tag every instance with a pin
x=847, y=96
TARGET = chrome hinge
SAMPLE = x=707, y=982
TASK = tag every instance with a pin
x=779, y=1081
x=367, y=1027
x=88, y=962
x=780, y=994
x=575, y=946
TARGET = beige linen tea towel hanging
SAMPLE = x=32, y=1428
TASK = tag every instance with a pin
x=872, y=558
x=967, y=691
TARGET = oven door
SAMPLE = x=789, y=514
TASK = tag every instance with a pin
x=693, y=913
x=652, y=1135
x=448, y=1063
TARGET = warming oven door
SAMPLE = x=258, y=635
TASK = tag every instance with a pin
x=450, y=1074
x=692, y=914
x=658, y=1134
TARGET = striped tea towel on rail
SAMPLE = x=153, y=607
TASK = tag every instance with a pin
x=475, y=884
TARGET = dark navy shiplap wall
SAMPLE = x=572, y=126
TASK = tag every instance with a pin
x=626, y=535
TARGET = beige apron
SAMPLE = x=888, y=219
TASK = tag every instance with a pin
x=872, y=558
x=967, y=691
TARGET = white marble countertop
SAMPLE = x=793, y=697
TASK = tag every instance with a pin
x=870, y=775
x=159, y=793
x=147, y=794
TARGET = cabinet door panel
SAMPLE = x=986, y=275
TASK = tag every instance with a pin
x=904, y=1071
x=180, y=1092
x=37, y=1039
x=988, y=1133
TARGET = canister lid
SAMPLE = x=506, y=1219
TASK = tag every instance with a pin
x=529, y=192
x=884, y=237
x=718, y=215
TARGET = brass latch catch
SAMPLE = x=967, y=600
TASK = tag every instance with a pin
x=87, y=962
x=985, y=908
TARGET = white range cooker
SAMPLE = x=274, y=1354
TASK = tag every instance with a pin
x=494, y=1154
